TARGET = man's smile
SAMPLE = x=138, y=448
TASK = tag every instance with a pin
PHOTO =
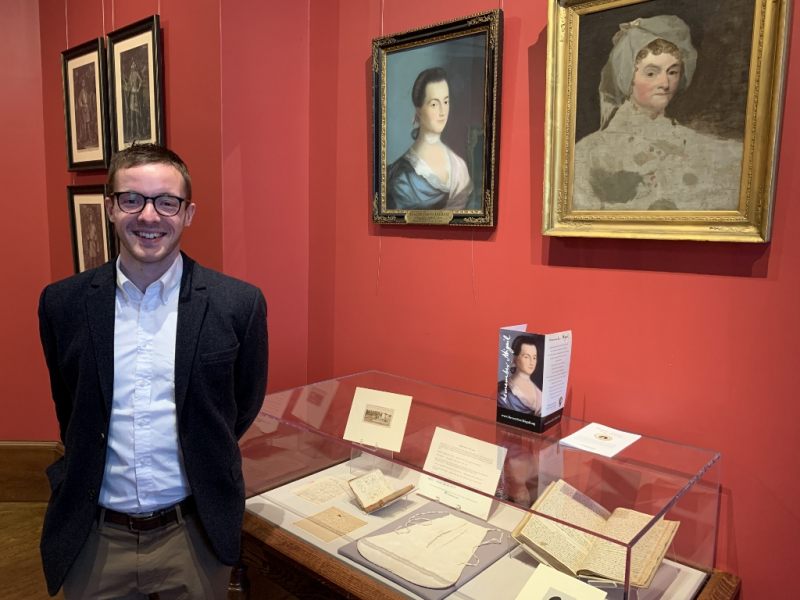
x=149, y=235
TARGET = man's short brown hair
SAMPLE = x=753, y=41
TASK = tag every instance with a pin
x=148, y=154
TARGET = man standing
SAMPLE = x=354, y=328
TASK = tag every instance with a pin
x=157, y=367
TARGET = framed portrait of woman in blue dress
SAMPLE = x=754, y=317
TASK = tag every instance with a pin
x=435, y=106
x=663, y=118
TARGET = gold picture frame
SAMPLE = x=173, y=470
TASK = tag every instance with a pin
x=437, y=169
x=693, y=156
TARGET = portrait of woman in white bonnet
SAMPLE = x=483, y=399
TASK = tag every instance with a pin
x=640, y=158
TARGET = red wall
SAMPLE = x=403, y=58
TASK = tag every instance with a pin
x=27, y=409
x=683, y=340
x=265, y=129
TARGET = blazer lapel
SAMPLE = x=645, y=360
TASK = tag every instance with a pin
x=100, y=313
x=192, y=306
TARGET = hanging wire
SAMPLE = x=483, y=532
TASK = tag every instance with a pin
x=380, y=237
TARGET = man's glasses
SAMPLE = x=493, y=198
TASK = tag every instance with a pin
x=134, y=202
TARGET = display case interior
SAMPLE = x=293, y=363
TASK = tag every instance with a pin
x=297, y=468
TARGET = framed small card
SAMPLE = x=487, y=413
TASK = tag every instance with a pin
x=83, y=70
x=93, y=241
x=136, y=87
x=378, y=419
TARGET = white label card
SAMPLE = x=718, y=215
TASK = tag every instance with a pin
x=557, y=352
x=600, y=439
x=547, y=583
x=473, y=463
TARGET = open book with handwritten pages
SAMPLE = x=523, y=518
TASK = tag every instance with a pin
x=581, y=554
x=372, y=491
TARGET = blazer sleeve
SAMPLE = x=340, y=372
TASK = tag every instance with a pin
x=251, y=366
x=59, y=390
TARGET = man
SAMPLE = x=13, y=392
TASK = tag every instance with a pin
x=157, y=367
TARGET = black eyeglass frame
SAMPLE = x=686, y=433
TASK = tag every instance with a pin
x=152, y=199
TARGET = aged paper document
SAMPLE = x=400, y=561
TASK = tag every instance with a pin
x=330, y=524
x=322, y=491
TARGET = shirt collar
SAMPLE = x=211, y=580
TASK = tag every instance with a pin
x=166, y=284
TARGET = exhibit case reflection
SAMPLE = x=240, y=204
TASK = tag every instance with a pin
x=642, y=524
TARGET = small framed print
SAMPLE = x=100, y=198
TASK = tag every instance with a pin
x=84, y=76
x=93, y=238
x=136, y=87
x=436, y=115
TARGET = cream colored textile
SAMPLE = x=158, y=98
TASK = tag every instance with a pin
x=427, y=553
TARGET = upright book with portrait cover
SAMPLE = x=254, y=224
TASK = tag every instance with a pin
x=532, y=374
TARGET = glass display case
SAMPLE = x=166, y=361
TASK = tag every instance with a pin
x=297, y=466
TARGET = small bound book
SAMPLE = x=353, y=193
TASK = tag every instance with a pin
x=373, y=492
x=581, y=554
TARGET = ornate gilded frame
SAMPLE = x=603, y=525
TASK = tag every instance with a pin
x=470, y=51
x=762, y=75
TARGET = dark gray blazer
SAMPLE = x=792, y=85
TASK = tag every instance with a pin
x=220, y=380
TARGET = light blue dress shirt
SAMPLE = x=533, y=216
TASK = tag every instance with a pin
x=144, y=468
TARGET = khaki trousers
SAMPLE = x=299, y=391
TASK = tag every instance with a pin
x=170, y=563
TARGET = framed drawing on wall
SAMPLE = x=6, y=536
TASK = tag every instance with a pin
x=93, y=241
x=663, y=118
x=83, y=70
x=136, y=86
x=436, y=95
